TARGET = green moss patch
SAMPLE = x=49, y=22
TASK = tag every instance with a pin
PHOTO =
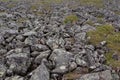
x=106, y=33
x=110, y=61
x=71, y=19
x=100, y=33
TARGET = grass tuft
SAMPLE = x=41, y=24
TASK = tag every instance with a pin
x=71, y=19
x=106, y=33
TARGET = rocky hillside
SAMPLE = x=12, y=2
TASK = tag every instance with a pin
x=59, y=39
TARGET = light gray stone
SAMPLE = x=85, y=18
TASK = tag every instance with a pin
x=41, y=73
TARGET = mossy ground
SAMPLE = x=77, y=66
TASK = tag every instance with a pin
x=7, y=0
x=110, y=61
x=71, y=19
x=106, y=33
x=97, y=3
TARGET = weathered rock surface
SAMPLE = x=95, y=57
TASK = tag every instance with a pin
x=36, y=43
x=41, y=73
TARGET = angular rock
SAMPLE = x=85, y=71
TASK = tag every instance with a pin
x=80, y=37
x=31, y=33
x=18, y=62
x=62, y=59
x=42, y=55
x=20, y=37
x=39, y=47
x=31, y=40
x=41, y=73
x=80, y=59
x=35, y=53
x=52, y=43
x=12, y=32
x=87, y=28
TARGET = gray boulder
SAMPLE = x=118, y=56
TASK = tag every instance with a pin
x=41, y=73
x=80, y=36
x=52, y=43
x=39, y=47
x=18, y=62
x=63, y=59
x=31, y=33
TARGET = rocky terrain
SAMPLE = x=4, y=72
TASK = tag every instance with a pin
x=59, y=40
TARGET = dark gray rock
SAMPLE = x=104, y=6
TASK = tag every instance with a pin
x=68, y=43
x=115, y=56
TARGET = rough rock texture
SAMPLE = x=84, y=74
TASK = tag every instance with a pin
x=36, y=43
x=41, y=73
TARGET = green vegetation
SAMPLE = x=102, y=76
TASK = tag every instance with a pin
x=100, y=20
x=97, y=3
x=110, y=61
x=100, y=33
x=71, y=19
x=117, y=12
x=114, y=42
x=45, y=5
x=41, y=2
x=20, y=20
x=7, y=0
x=11, y=5
x=106, y=32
